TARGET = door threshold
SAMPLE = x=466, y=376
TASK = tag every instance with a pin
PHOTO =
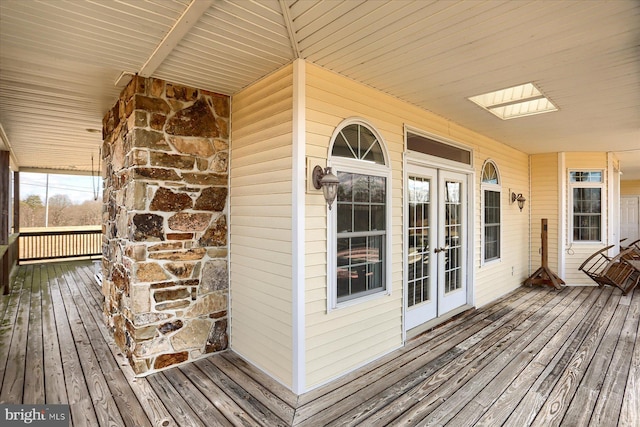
x=428, y=325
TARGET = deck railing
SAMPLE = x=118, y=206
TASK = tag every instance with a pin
x=56, y=244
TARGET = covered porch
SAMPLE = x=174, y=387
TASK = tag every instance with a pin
x=534, y=357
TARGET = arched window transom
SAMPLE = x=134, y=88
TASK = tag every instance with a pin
x=490, y=173
x=356, y=141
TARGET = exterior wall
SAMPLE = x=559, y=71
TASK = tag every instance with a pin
x=545, y=199
x=261, y=224
x=165, y=281
x=496, y=278
x=630, y=188
x=343, y=339
x=576, y=253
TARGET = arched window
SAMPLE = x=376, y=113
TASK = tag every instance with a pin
x=491, y=212
x=359, y=237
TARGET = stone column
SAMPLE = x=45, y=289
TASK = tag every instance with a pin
x=165, y=284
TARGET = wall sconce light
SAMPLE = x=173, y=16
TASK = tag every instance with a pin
x=323, y=178
x=518, y=198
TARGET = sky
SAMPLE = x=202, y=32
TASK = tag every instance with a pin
x=78, y=188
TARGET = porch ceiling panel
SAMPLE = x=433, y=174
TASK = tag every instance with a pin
x=437, y=54
x=58, y=64
x=59, y=60
x=231, y=46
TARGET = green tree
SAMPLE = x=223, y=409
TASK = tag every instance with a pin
x=32, y=211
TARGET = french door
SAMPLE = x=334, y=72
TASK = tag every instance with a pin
x=436, y=243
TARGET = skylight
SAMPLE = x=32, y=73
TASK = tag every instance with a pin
x=516, y=101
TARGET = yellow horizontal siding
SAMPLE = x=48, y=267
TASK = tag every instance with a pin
x=496, y=278
x=574, y=258
x=340, y=339
x=630, y=188
x=545, y=200
x=243, y=262
x=260, y=224
x=260, y=156
x=586, y=160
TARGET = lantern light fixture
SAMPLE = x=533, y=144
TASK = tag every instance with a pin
x=325, y=179
x=518, y=198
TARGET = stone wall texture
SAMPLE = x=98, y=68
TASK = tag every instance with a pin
x=165, y=266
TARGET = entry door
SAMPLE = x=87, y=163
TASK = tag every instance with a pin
x=629, y=222
x=436, y=253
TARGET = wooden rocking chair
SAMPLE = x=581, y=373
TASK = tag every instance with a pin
x=616, y=271
x=635, y=253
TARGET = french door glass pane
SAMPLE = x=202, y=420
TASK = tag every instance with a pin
x=453, y=236
x=418, y=251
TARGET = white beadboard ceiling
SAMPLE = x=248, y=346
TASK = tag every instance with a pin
x=59, y=61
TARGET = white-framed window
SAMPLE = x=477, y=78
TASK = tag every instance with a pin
x=491, y=188
x=586, y=188
x=359, y=232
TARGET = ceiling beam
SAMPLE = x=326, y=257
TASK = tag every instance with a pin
x=187, y=20
x=289, y=24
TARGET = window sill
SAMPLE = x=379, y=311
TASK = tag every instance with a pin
x=587, y=242
x=491, y=262
x=360, y=300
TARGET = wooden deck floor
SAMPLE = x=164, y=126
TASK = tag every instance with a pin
x=536, y=357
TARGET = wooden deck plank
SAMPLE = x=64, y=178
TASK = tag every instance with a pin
x=130, y=409
x=460, y=375
x=81, y=407
x=227, y=406
x=198, y=402
x=587, y=393
x=55, y=391
x=436, y=334
x=280, y=391
x=497, y=400
x=263, y=394
x=104, y=404
x=382, y=408
x=555, y=407
x=249, y=403
x=34, y=382
x=177, y=406
x=7, y=327
x=86, y=310
x=609, y=399
x=503, y=364
x=145, y=396
x=536, y=396
x=13, y=382
x=410, y=367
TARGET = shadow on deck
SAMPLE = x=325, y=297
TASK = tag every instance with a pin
x=535, y=357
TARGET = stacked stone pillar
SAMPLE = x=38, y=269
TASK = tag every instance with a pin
x=165, y=271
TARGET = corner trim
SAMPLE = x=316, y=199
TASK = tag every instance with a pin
x=298, y=226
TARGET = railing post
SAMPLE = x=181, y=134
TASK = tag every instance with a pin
x=16, y=213
x=5, y=180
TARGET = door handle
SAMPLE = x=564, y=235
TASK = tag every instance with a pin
x=438, y=250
